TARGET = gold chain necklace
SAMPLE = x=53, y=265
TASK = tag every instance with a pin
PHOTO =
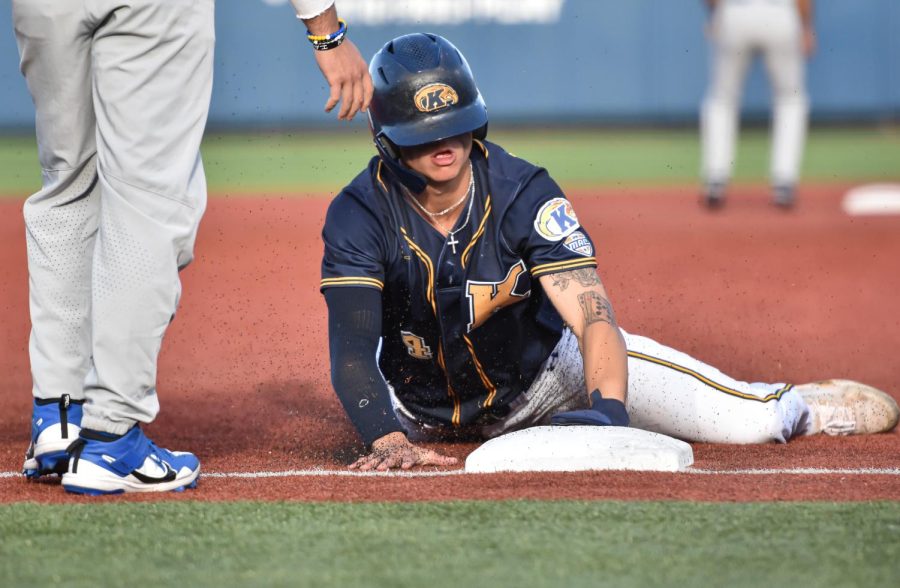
x=452, y=241
x=469, y=191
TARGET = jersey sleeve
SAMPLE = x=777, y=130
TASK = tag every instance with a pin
x=354, y=246
x=543, y=229
x=306, y=9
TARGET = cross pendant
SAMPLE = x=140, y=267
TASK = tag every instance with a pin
x=453, y=242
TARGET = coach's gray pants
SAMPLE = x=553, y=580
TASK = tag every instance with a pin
x=121, y=92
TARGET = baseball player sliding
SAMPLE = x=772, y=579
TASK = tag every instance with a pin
x=121, y=92
x=782, y=31
x=464, y=300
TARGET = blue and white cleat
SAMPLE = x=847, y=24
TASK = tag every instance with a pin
x=101, y=463
x=55, y=424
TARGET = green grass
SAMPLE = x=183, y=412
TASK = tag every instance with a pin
x=454, y=544
x=674, y=156
x=316, y=162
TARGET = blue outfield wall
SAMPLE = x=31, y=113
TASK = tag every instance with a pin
x=542, y=60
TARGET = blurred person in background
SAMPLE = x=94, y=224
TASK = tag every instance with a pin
x=121, y=93
x=782, y=31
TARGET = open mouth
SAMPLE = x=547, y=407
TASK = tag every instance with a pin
x=444, y=157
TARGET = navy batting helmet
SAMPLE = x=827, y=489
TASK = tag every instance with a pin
x=424, y=92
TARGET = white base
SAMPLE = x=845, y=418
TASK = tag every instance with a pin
x=873, y=199
x=573, y=449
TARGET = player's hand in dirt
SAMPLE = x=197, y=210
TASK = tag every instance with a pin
x=395, y=451
x=348, y=76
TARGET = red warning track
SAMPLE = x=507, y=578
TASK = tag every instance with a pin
x=763, y=294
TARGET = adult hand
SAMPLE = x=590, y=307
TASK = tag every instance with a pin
x=348, y=76
x=395, y=451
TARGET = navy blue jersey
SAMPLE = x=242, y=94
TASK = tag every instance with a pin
x=466, y=324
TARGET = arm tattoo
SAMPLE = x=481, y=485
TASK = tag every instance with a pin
x=561, y=280
x=585, y=276
x=596, y=308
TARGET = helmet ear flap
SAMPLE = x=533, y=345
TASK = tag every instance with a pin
x=481, y=132
x=390, y=155
x=387, y=147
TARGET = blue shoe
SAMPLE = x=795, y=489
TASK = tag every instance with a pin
x=101, y=463
x=55, y=424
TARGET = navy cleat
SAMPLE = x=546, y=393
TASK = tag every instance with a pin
x=784, y=197
x=713, y=195
x=102, y=463
x=55, y=424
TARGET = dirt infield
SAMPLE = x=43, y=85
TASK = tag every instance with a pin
x=762, y=294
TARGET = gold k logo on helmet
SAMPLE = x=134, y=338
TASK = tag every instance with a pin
x=435, y=97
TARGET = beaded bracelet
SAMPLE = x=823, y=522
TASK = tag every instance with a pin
x=326, y=42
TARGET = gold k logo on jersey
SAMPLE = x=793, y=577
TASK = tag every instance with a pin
x=486, y=298
x=556, y=220
x=435, y=97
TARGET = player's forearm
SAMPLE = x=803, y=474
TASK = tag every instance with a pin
x=364, y=396
x=579, y=297
x=605, y=360
x=354, y=329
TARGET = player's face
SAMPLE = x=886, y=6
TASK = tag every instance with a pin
x=441, y=161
